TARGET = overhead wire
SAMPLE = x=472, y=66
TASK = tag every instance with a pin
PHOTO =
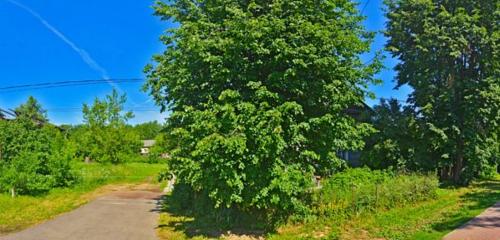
x=364, y=7
x=47, y=85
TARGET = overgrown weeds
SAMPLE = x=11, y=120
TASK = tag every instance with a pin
x=361, y=190
x=344, y=195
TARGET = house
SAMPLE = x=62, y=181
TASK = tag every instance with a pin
x=146, y=146
x=361, y=113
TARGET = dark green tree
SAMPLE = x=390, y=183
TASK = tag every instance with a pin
x=393, y=144
x=32, y=110
x=258, y=92
x=449, y=54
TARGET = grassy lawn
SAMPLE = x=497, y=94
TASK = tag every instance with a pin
x=431, y=219
x=427, y=220
x=23, y=211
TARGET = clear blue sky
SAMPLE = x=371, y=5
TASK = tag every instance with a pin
x=48, y=41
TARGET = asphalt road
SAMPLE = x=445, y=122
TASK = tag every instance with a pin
x=486, y=226
x=120, y=215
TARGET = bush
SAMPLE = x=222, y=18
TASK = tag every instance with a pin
x=362, y=190
x=32, y=161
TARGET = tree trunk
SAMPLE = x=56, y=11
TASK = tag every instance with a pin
x=459, y=162
x=457, y=169
x=13, y=192
x=445, y=173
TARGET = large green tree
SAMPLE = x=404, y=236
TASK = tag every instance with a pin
x=258, y=91
x=449, y=54
x=105, y=136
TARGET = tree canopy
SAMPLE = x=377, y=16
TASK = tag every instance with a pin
x=32, y=111
x=449, y=55
x=258, y=92
x=148, y=130
x=105, y=137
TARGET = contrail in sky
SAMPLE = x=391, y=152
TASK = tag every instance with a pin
x=84, y=55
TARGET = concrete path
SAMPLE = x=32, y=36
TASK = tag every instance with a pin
x=483, y=227
x=120, y=215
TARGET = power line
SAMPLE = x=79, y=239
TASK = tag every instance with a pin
x=371, y=60
x=364, y=7
x=79, y=109
x=46, y=85
x=72, y=82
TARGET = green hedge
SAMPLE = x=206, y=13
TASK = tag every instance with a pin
x=360, y=190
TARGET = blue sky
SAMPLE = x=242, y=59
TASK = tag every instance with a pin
x=119, y=37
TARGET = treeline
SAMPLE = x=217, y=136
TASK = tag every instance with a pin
x=36, y=156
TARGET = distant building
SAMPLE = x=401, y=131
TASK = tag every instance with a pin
x=4, y=114
x=146, y=146
x=362, y=114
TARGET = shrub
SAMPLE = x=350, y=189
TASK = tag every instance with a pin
x=361, y=190
x=32, y=159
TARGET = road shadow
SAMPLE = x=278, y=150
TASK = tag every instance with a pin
x=487, y=194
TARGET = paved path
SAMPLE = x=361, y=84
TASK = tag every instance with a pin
x=120, y=215
x=483, y=227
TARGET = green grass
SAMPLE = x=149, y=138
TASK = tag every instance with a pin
x=23, y=211
x=431, y=219
x=427, y=220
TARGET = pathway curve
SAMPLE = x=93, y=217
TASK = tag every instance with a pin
x=120, y=215
x=483, y=227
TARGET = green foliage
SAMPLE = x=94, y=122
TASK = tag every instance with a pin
x=31, y=111
x=393, y=145
x=183, y=201
x=258, y=92
x=345, y=207
x=159, y=151
x=149, y=130
x=30, y=153
x=361, y=190
x=449, y=55
x=105, y=137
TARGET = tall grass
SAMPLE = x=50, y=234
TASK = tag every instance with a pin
x=361, y=190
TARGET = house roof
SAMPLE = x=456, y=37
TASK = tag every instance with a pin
x=148, y=143
x=6, y=113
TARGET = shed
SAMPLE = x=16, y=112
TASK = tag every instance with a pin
x=146, y=146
